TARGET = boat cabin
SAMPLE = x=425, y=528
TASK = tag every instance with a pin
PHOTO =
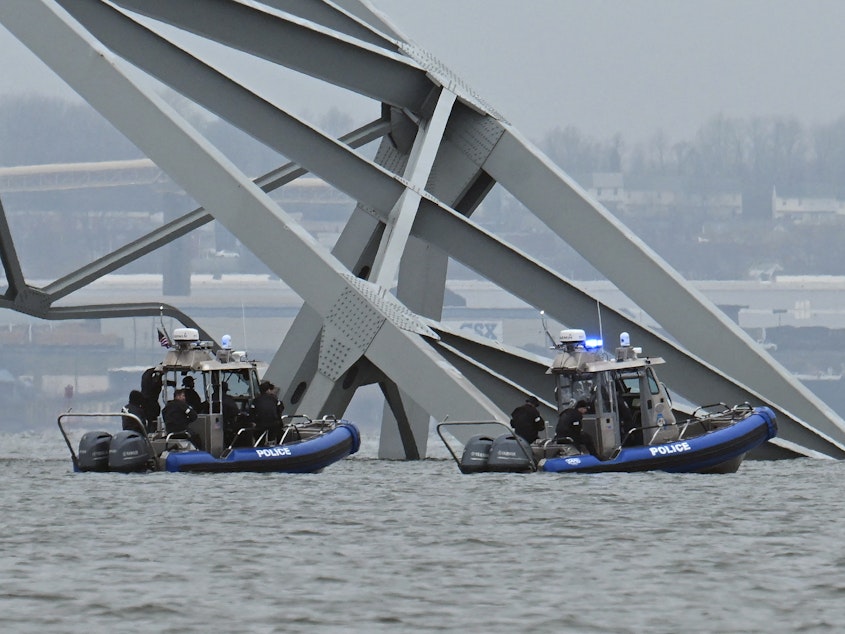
x=211, y=371
x=627, y=404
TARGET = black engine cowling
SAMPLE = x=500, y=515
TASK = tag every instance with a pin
x=94, y=451
x=510, y=453
x=476, y=453
x=129, y=451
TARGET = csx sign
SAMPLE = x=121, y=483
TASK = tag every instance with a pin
x=486, y=329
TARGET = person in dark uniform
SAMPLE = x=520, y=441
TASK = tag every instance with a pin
x=135, y=406
x=178, y=414
x=191, y=395
x=232, y=422
x=151, y=383
x=526, y=420
x=229, y=405
x=266, y=412
x=569, y=427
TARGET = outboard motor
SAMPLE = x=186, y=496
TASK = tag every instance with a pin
x=510, y=453
x=129, y=451
x=476, y=453
x=94, y=451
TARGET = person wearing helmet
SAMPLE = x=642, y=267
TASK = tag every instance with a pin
x=526, y=420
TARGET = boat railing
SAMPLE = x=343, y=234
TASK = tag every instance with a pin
x=62, y=420
x=176, y=436
x=445, y=425
x=710, y=420
x=290, y=429
x=295, y=431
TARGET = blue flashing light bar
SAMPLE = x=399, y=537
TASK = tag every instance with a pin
x=593, y=344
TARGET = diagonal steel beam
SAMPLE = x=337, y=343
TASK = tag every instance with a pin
x=9, y=259
x=190, y=221
x=318, y=153
x=648, y=280
x=212, y=180
x=338, y=18
x=301, y=46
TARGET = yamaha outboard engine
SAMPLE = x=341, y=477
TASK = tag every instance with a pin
x=510, y=453
x=129, y=451
x=476, y=453
x=94, y=451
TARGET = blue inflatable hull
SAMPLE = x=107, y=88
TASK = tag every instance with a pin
x=307, y=456
x=696, y=455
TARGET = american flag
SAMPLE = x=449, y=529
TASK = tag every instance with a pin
x=162, y=339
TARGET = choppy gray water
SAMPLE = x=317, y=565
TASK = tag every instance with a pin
x=375, y=546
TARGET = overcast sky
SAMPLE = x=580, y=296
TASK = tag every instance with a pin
x=607, y=66
x=634, y=66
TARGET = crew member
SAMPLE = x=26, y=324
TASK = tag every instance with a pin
x=266, y=412
x=568, y=429
x=191, y=395
x=526, y=420
x=135, y=406
x=178, y=414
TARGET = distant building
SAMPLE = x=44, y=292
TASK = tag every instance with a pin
x=807, y=210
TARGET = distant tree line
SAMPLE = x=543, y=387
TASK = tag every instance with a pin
x=751, y=156
x=728, y=154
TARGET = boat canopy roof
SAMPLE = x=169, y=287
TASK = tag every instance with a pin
x=587, y=361
x=204, y=360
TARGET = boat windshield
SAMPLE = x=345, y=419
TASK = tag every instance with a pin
x=239, y=383
x=573, y=387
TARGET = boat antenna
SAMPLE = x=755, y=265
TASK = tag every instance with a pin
x=243, y=323
x=546, y=329
x=601, y=334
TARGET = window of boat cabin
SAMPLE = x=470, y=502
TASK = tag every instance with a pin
x=605, y=395
x=238, y=387
x=573, y=387
x=239, y=382
x=653, y=387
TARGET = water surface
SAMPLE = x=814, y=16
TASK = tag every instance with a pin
x=378, y=546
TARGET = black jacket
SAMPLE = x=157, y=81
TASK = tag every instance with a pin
x=569, y=425
x=178, y=415
x=131, y=423
x=527, y=422
x=266, y=412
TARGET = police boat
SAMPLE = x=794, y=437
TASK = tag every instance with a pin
x=629, y=422
x=221, y=437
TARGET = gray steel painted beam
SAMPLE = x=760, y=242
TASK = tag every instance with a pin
x=365, y=12
x=295, y=362
x=314, y=151
x=412, y=442
x=506, y=393
x=539, y=286
x=139, y=247
x=9, y=259
x=411, y=420
x=190, y=221
x=639, y=272
x=337, y=18
x=417, y=173
x=117, y=311
x=304, y=47
x=203, y=172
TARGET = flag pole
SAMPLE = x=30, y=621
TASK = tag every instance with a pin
x=163, y=336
